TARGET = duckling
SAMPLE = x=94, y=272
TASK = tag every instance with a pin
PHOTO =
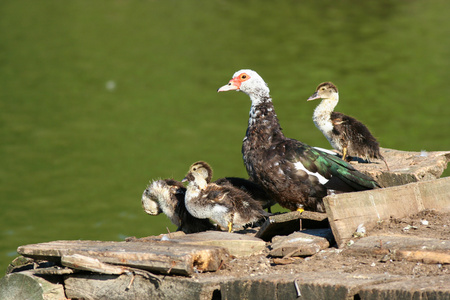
x=226, y=205
x=167, y=196
x=345, y=133
x=251, y=188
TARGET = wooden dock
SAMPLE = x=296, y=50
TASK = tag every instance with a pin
x=270, y=262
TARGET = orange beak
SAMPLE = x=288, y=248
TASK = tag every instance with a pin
x=233, y=85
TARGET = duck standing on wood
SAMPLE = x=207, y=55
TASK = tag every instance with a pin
x=296, y=175
x=168, y=196
x=226, y=205
x=345, y=134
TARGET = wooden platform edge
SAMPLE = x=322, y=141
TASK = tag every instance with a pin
x=157, y=256
x=347, y=211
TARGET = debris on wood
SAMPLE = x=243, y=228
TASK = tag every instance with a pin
x=397, y=247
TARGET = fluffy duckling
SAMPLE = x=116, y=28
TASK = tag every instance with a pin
x=345, y=133
x=251, y=188
x=226, y=205
x=294, y=174
x=167, y=196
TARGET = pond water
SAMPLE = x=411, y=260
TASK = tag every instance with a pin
x=98, y=98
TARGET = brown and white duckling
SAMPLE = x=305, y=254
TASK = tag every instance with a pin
x=345, y=133
x=226, y=205
x=167, y=196
x=251, y=188
x=294, y=174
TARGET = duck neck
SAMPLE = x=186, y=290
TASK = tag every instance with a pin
x=322, y=114
x=192, y=192
x=263, y=125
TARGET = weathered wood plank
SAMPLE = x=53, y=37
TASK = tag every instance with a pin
x=347, y=211
x=433, y=287
x=156, y=256
x=301, y=243
x=310, y=285
x=406, y=166
x=86, y=263
x=25, y=285
x=398, y=247
x=119, y=287
x=236, y=244
x=287, y=223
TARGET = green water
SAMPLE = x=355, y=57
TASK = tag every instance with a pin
x=99, y=97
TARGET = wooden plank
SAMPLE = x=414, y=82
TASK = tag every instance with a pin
x=301, y=243
x=86, y=263
x=236, y=244
x=156, y=256
x=398, y=247
x=128, y=286
x=287, y=223
x=307, y=285
x=347, y=211
x=406, y=166
x=424, y=287
x=435, y=194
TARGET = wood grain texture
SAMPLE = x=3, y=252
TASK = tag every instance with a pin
x=156, y=256
x=347, y=211
x=398, y=247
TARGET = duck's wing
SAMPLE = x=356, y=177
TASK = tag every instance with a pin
x=300, y=156
x=217, y=195
x=353, y=129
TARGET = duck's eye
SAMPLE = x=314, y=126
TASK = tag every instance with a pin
x=244, y=76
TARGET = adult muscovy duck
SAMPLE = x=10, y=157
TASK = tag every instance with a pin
x=345, y=133
x=296, y=175
x=226, y=205
x=167, y=196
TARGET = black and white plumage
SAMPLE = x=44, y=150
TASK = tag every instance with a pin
x=226, y=205
x=167, y=196
x=345, y=133
x=296, y=175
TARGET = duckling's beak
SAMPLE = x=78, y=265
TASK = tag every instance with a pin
x=314, y=96
x=233, y=85
x=185, y=179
